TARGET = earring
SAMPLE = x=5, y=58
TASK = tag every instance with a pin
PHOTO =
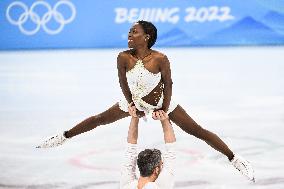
x=145, y=39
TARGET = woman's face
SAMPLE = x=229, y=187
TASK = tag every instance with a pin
x=136, y=36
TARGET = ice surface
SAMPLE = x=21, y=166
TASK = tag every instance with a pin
x=238, y=93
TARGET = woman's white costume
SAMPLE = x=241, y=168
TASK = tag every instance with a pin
x=141, y=82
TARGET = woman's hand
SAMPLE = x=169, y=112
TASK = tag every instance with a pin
x=160, y=115
x=140, y=113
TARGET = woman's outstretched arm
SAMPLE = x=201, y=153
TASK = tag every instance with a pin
x=167, y=80
x=121, y=68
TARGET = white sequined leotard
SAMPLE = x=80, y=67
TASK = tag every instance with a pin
x=141, y=82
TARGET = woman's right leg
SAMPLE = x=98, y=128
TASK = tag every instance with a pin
x=186, y=123
x=109, y=116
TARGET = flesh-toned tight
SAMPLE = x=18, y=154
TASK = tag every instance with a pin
x=178, y=116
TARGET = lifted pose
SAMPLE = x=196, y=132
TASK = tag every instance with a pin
x=145, y=79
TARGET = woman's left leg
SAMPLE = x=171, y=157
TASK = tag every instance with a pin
x=186, y=123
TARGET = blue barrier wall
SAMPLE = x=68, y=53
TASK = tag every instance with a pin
x=41, y=24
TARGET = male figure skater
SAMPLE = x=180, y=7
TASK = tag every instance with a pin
x=156, y=169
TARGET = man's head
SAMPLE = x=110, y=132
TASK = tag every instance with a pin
x=150, y=163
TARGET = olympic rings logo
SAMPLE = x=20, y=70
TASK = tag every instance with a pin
x=40, y=21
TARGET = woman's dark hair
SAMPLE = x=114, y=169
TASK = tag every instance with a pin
x=149, y=29
x=148, y=160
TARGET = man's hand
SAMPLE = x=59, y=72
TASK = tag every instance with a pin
x=132, y=110
x=133, y=127
x=169, y=135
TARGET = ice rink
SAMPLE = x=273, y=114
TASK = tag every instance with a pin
x=238, y=93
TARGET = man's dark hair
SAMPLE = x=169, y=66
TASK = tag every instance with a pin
x=148, y=160
x=149, y=29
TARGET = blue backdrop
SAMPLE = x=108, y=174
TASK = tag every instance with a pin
x=41, y=24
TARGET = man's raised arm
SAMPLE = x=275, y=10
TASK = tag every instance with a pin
x=129, y=165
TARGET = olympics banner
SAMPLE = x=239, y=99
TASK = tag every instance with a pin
x=50, y=24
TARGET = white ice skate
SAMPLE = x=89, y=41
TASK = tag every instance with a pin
x=244, y=167
x=54, y=141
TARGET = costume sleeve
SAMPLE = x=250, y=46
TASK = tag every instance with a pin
x=166, y=177
x=128, y=170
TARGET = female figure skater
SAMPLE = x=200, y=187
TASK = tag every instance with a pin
x=145, y=79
